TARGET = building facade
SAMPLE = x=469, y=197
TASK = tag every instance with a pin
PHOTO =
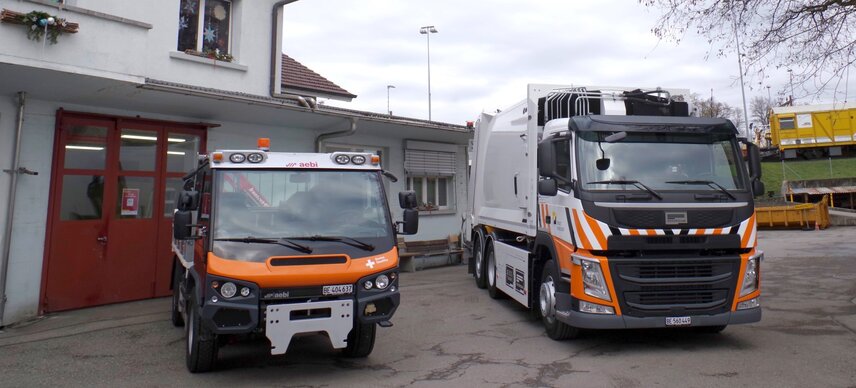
x=117, y=110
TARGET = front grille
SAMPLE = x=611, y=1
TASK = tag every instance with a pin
x=280, y=262
x=670, y=287
x=656, y=219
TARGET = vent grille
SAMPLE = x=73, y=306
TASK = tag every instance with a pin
x=656, y=219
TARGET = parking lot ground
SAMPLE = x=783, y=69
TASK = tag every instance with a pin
x=449, y=333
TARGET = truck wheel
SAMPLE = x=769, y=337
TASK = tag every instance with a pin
x=175, y=314
x=360, y=340
x=202, y=344
x=556, y=329
x=490, y=270
x=478, y=257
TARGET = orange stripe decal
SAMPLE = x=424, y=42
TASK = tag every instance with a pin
x=748, y=231
x=595, y=228
x=717, y=231
x=699, y=232
x=633, y=232
x=583, y=237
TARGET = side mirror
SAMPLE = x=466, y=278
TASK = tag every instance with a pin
x=546, y=164
x=411, y=222
x=407, y=200
x=548, y=187
x=757, y=188
x=188, y=200
x=754, y=161
x=181, y=221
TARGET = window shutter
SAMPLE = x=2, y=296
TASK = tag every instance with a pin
x=429, y=163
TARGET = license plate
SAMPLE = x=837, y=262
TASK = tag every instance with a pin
x=341, y=289
x=678, y=321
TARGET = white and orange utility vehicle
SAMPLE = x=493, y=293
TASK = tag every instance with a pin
x=273, y=245
x=611, y=208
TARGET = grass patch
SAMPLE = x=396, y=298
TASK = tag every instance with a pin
x=805, y=169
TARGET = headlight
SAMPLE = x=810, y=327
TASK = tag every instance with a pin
x=255, y=157
x=752, y=275
x=358, y=159
x=343, y=159
x=593, y=282
x=593, y=308
x=382, y=282
x=228, y=290
x=245, y=291
x=237, y=158
x=368, y=284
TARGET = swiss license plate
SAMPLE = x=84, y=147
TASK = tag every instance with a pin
x=678, y=321
x=341, y=289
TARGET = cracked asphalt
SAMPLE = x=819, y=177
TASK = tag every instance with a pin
x=449, y=333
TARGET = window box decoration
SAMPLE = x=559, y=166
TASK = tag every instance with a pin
x=212, y=54
x=40, y=24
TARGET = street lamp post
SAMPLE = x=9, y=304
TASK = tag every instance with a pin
x=769, y=97
x=791, y=75
x=387, y=98
x=427, y=31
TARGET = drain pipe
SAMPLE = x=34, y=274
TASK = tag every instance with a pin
x=330, y=135
x=14, y=171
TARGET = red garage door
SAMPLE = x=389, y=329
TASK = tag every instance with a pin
x=112, y=194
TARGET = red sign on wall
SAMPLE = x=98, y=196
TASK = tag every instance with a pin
x=130, y=202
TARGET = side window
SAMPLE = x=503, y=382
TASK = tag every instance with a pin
x=205, y=27
x=562, y=156
x=786, y=123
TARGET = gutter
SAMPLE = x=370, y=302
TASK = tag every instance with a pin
x=276, y=58
x=14, y=171
x=330, y=135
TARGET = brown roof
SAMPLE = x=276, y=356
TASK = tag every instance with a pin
x=297, y=76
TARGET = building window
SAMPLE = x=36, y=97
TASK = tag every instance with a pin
x=786, y=123
x=432, y=192
x=205, y=26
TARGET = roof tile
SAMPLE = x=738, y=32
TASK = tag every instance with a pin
x=297, y=76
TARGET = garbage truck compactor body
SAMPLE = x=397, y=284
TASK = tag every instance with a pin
x=274, y=245
x=597, y=220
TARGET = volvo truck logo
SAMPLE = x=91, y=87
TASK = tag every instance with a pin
x=676, y=218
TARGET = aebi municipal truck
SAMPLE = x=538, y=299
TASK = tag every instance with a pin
x=274, y=245
x=613, y=209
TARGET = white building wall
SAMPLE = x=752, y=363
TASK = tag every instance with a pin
x=125, y=51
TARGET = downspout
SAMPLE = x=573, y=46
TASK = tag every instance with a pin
x=330, y=135
x=276, y=59
x=14, y=171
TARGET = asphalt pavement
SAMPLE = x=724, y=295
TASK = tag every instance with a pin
x=449, y=333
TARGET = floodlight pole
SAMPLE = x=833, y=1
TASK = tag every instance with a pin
x=427, y=31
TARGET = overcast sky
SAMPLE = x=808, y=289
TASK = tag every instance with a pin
x=487, y=51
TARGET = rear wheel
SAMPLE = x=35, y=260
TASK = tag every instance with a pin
x=478, y=258
x=494, y=292
x=202, y=347
x=361, y=340
x=556, y=329
x=175, y=314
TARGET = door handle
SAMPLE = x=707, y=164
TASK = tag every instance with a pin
x=102, y=239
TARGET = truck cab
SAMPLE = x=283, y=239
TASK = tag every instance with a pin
x=275, y=245
x=618, y=211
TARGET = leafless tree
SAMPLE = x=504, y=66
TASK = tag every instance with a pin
x=816, y=39
x=706, y=107
x=759, y=109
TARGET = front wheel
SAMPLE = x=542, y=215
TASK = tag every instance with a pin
x=556, y=329
x=478, y=257
x=175, y=315
x=361, y=340
x=202, y=347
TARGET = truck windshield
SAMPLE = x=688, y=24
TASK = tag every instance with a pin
x=279, y=204
x=661, y=161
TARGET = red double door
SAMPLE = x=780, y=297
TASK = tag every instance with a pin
x=114, y=185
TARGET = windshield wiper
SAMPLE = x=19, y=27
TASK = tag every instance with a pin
x=344, y=240
x=281, y=241
x=712, y=185
x=638, y=185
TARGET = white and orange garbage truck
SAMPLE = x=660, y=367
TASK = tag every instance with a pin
x=273, y=245
x=612, y=208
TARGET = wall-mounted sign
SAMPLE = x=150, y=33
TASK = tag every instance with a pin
x=130, y=202
x=804, y=121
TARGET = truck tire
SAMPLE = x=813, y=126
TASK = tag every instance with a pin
x=175, y=315
x=202, y=347
x=556, y=329
x=491, y=272
x=361, y=340
x=478, y=259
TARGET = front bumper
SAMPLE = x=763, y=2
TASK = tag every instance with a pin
x=581, y=320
